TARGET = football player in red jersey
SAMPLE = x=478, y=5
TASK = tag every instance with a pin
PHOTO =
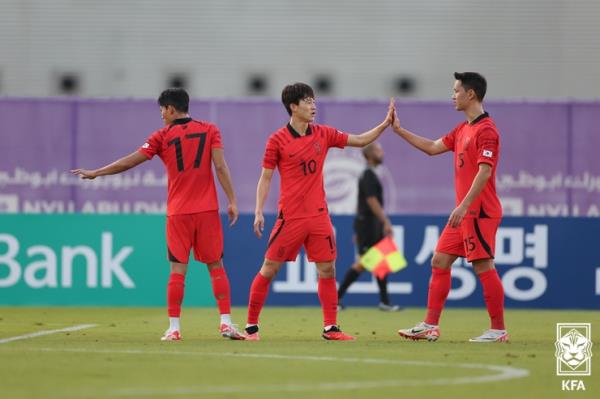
x=472, y=225
x=299, y=150
x=188, y=149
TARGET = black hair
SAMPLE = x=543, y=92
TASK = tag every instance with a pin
x=472, y=81
x=175, y=97
x=292, y=94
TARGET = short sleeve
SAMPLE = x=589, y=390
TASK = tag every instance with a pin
x=368, y=184
x=335, y=138
x=488, y=144
x=216, y=141
x=449, y=140
x=153, y=145
x=271, y=157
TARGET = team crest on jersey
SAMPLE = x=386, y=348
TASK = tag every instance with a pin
x=488, y=153
x=317, y=147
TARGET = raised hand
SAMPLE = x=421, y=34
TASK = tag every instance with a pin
x=389, y=118
x=396, y=123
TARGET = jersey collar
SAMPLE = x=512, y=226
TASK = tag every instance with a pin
x=480, y=117
x=181, y=121
x=295, y=134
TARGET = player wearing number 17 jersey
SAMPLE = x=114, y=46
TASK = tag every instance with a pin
x=188, y=149
x=299, y=150
x=472, y=226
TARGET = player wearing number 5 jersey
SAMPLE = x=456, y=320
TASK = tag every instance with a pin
x=472, y=226
x=188, y=149
x=299, y=150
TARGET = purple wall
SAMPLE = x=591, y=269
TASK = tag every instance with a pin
x=548, y=166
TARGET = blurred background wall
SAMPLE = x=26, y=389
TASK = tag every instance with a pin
x=540, y=49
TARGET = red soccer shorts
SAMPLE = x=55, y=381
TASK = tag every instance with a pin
x=315, y=233
x=474, y=239
x=201, y=231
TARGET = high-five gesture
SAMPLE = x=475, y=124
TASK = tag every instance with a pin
x=396, y=122
x=366, y=138
x=391, y=115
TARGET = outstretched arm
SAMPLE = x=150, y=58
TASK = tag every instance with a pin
x=428, y=146
x=262, y=191
x=481, y=178
x=222, y=170
x=361, y=140
x=121, y=165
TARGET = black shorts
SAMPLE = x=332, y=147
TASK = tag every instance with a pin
x=368, y=233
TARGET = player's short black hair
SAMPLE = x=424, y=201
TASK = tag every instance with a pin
x=292, y=94
x=472, y=81
x=175, y=97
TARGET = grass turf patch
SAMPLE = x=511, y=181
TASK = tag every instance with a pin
x=123, y=357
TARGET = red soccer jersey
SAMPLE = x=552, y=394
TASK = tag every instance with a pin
x=300, y=161
x=185, y=148
x=475, y=143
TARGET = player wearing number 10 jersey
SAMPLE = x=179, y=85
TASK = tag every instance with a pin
x=298, y=150
x=188, y=149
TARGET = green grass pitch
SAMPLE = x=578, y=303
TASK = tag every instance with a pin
x=122, y=356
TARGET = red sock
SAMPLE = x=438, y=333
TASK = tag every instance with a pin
x=221, y=291
x=175, y=294
x=439, y=287
x=329, y=300
x=258, y=294
x=493, y=294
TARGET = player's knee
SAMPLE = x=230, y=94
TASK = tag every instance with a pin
x=178, y=268
x=326, y=270
x=269, y=269
x=214, y=265
x=482, y=266
x=440, y=262
x=327, y=273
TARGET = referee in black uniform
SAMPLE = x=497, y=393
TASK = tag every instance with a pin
x=370, y=225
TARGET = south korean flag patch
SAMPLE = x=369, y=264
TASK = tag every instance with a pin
x=488, y=153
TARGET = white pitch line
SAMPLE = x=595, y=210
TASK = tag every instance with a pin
x=308, y=386
x=500, y=373
x=46, y=332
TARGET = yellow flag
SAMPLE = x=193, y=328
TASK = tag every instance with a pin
x=383, y=258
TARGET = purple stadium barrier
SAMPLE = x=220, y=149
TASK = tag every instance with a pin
x=548, y=167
